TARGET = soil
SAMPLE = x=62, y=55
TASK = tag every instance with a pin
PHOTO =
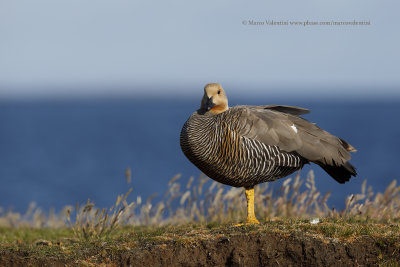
x=239, y=249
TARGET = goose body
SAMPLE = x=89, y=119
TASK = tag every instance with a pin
x=243, y=146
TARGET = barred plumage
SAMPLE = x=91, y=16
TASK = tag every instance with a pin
x=247, y=145
x=217, y=149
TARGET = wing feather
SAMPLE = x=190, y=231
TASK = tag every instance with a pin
x=292, y=134
x=287, y=109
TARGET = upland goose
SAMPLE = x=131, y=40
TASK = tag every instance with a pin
x=243, y=146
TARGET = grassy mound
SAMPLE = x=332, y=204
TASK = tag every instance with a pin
x=274, y=242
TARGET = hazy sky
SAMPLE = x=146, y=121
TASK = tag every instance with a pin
x=128, y=46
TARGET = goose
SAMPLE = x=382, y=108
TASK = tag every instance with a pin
x=243, y=146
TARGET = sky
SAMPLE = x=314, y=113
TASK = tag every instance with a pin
x=131, y=47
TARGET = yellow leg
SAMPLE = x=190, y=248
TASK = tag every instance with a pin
x=251, y=217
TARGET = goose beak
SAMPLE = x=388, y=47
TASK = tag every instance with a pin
x=210, y=103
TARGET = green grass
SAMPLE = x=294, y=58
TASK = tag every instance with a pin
x=29, y=235
x=62, y=243
x=342, y=229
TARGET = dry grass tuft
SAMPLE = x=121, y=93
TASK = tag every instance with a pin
x=92, y=223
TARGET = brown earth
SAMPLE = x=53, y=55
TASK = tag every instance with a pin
x=239, y=249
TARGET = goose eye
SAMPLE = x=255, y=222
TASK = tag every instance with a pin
x=219, y=92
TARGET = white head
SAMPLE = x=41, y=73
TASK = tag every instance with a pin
x=214, y=99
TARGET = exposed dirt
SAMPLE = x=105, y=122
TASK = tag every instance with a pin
x=239, y=249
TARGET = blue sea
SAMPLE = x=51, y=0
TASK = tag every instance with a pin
x=60, y=152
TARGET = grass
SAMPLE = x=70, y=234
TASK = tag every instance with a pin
x=62, y=242
x=206, y=202
x=198, y=210
x=95, y=223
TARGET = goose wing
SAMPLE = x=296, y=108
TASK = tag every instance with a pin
x=278, y=126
